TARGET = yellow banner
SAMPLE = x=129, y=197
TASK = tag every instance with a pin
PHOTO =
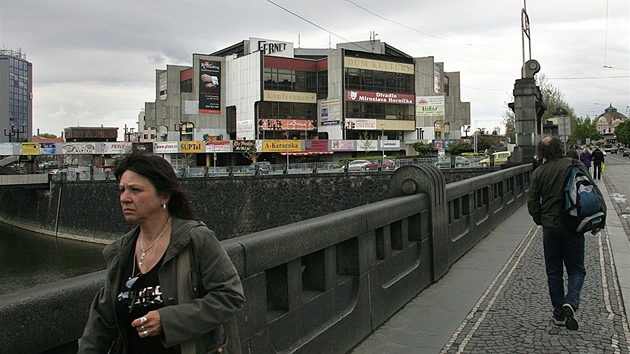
x=30, y=148
x=191, y=146
x=282, y=145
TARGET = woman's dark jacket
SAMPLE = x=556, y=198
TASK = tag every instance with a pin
x=216, y=291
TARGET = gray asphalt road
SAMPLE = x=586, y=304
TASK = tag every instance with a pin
x=617, y=179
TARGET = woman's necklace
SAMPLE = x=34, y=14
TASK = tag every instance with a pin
x=145, y=250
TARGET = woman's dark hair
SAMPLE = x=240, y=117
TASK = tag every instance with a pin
x=161, y=174
x=548, y=148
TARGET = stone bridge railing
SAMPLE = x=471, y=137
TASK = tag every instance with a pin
x=319, y=285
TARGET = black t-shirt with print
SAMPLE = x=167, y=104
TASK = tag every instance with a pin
x=139, y=294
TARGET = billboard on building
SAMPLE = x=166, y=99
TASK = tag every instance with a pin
x=361, y=124
x=47, y=148
x=209, y=86
x=79, y=148
x=282, y=145
x=379, y=97
x=286, y=124
x=430, y=106
x=115, y=148
x=30, y=148
x=168, y=147
x=330, y=112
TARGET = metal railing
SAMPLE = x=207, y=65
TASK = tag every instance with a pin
x=278, y=169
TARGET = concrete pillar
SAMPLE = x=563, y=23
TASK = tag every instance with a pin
x=528, y=108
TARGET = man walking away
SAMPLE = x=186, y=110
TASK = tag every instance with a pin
x=597, y=157
x=562, y=247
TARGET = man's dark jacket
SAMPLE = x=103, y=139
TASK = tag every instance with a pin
x=546, y=194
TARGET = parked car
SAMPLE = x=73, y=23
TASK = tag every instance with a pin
x=626, y=153
x=264, y=167
x=461, y=161
x=388, y=164
x=500, y=157
x=442, y=162
x=362, y=165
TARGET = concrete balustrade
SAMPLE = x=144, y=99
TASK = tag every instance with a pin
x=317, y=285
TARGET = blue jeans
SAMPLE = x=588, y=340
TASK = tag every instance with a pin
x=563, y=247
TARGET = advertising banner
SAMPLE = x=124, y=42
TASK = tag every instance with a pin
x=30, y=148
x=316, y=145
x=330, y=112
x=79, y=148
x=218, y=146
x=167, y=147
x=360, y=124
x=286, y=124
x=115, y=148
x=342, y=145
x=191, y=146
x=243, y=145
x=209, y=88
x=429, y=106
x=389, y=145
x=282, y=145
x=47, y=148
x=379, y=97
x=6, y=149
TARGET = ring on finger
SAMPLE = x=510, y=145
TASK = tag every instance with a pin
x=145, y=333
x=143, y=320
x=143, y=329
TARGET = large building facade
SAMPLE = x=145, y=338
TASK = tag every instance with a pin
x=16, y=96
x=358, y=98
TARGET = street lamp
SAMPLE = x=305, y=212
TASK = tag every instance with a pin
x=15, y=132
x=382, y=139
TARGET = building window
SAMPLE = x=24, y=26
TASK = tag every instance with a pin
x=290, y=80
x=186, y=85
x=370, y=80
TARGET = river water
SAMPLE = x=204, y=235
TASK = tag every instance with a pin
x=28, y=259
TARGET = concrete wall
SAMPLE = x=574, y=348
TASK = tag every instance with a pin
x=318, y=285
x=231, y=206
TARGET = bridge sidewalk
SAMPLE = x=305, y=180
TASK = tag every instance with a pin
x=495, y=299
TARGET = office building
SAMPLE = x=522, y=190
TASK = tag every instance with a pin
x=16, y=96
x=357, y=98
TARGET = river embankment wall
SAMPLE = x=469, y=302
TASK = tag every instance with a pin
x=231, y=206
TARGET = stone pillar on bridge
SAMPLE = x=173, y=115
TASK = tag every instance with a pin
x=528, y=108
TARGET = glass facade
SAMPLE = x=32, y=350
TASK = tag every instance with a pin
x=290, y=80
x=370, y=80
x=17, y=104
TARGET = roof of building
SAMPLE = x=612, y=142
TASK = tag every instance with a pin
x=38, y=139
x=91, y=128
x=611, y=115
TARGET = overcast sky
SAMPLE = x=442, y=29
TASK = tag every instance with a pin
x=94, y=62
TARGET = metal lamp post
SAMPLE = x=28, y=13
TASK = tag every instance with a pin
x=15, y=132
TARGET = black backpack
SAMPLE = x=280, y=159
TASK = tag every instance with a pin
x=582, y=211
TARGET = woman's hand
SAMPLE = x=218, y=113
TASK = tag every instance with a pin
x=149, y=325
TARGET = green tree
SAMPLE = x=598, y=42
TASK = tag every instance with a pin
x=583, y=128
x=365, y=142
x=459, y=147
x=510, y=128
x=623, y=132
x=552, y=98
x=422, y=148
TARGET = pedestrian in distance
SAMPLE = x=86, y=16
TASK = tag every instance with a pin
x=597, y=159
x=572, y=152
x=170, y=285
x=563, y=248
x=585, y=157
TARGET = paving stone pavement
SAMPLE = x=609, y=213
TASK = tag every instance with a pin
x=510, y=312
